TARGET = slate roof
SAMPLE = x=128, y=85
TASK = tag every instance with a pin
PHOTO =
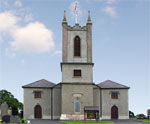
x=108, y=84
x=91, y=108
x=40, y=84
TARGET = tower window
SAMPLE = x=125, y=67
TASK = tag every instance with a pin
x=77, y=73
x=37, y=94
x=114, y=95
x=77, y=49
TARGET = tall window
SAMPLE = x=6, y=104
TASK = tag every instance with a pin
x=114, y=95
x=77, y=105
x=77, y=73
x=77, y=49
x=37, y=94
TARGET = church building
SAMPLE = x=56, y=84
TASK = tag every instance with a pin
x=66, y=100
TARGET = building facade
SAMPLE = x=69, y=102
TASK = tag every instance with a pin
x=67, y=99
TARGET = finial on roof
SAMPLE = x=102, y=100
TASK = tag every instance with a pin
x=89, y=18
x=64, y=19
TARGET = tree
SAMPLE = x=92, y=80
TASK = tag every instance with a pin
x=12, y=102
x=131, y=114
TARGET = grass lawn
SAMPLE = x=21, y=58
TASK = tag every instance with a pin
x=142, y=120
x=87, y=122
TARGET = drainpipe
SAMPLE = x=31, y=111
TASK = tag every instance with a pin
x=51, y=103
x=100, y=102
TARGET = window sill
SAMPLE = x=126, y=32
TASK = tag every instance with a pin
x=78, y=113
x=77, y=57
x=77, y=77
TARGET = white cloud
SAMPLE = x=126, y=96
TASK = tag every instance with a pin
x=18, y=3
x=58, y=52
x=34, y=37
x=8, y=21
x=111, y=11
x=111, y=1
x=28, y=17
x=72, y=9
x=9, y=53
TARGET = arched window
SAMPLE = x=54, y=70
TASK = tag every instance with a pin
x=77, y=105
x=77, y=48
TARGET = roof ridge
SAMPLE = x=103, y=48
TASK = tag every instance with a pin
x=111, y=84
x=40, y=83
x=117, y=83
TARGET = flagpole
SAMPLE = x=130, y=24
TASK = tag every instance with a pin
x=76, y=12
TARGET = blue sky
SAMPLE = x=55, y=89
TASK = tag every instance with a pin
x=31, y=41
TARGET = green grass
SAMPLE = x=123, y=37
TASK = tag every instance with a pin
x=87, y=122
x=25, y=121
x=142, y=120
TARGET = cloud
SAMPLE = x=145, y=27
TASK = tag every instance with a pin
x=9, y=53
x=8, y=21
x=18, y=3
x=58, y=52
x=72, y=9
x=28, y=17
x=34, y=37
x=111, y=1
x=111, y=11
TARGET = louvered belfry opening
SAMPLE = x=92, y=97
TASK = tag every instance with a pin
x=77, y=49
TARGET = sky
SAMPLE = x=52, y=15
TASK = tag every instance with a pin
x=31, y=43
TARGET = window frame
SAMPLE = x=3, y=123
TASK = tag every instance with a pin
x=37, y=94
x=77, y=73
x=114, y=95
x=77, y=51
x=79, y=105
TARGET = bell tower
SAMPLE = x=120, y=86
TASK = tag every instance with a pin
x=77, y=63
x=77, y=69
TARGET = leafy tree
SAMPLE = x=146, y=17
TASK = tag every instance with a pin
x=12, y=102
x=131, y=114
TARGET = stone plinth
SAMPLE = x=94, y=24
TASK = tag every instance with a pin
x=71, y=117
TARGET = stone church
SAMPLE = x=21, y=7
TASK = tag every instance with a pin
x=66, y=100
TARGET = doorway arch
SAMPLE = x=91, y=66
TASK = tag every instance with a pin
x=37, y=111
x=114, y=112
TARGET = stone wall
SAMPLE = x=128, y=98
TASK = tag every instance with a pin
x=30, y=102
x=69, y=94
x=121, y=103
x=86, y=70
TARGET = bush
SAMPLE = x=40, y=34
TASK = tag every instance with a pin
x=14, y=111
x=131, y=114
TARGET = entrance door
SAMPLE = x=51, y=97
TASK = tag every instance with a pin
x=114, y=112
x=37, y=111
